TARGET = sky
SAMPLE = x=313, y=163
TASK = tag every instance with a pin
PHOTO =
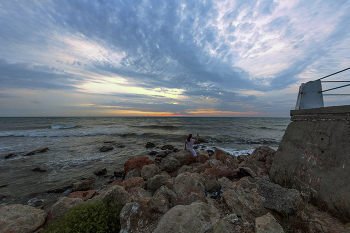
x=201, y=58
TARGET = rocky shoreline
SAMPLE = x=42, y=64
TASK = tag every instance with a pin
x=222, y=193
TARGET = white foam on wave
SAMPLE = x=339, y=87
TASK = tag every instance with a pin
x=63, y=127
x=236, y=152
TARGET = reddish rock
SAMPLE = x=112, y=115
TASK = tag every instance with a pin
x=21, y=218
x=137, y=163
x=159, y=204
x=184, y=156
x=133, y=183
x=229, y=160
x=84, y=195
x=221, y=170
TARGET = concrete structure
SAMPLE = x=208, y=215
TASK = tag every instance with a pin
x=314, y=155
x=310, y=95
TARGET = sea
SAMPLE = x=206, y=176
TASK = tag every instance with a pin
x=74, y=147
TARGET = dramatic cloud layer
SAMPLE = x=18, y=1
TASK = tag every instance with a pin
x=167, y=58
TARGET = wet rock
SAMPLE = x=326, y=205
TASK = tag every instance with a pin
x=134, y=217
x=30, y=153
x=169, y=164
x=106, y=148
x=119, y=174
x=189, y=188
x=133, y=173
x=121, y=146
x=211, y=184
x=60, y=190
x=153, y=153
x=184, y=156
x=38, y=169
x=243, y=199
x=101, y=172
x=175, y=150
x=83, y=185
x=9, y=156
x=267, y=224
x=3, y=186
x=156, y=182
x=21, y=218
x=167, y=147
x=109, y=142
x=137, y=163
x=62, y=206
x=210, y=152
x=150, y=145
x=196, y=217
x=163, y=154
x=83, y=195
x=149, y=171
x=43, y=150
x=159, y=204
x=278, y=198
x=115, y=193
x=133, y=182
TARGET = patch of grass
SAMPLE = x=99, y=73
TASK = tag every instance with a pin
x=89, y=217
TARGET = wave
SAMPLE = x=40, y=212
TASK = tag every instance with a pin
x=167, y=127
x=63, y=127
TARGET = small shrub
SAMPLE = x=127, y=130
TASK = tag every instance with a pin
x=89, y=217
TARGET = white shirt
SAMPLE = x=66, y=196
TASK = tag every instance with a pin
x=189, y=144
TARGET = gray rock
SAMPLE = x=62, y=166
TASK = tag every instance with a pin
x=139, y=193
x=9, y=156
x=38, y=169
x=149, y=171
x=106, y=148
x=197, y=217
x=134, y=217
x=267, y=224
x=225, y=183
x=169, y=164
x=159, y=204
x=184, y=168
x=221, y=227
x=169, y=194
x=101, y=172
x=83, y=185
x=133, y=173
x=116, y=193
x=21, y=218
x=277, y=198
x=167, y=147
x=150, y=145
x=184, y=156
x=211, y=184
x=189, y=188
x=156, y=182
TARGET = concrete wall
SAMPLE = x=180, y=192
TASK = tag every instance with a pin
x=314, y=155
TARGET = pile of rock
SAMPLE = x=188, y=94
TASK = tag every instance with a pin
x=175, y=194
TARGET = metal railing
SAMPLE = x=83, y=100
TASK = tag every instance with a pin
x=335, y=82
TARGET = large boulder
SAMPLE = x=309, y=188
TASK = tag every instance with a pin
x=211, y=184
x=139, y=193
x=137, y=163
x=169, y=194
x=184, y=168
x=229, y=160
x=106, y=148
x=221, y=226
x=169, y=164
x=148, y=171
x=62, y=206
x=282, y=200
x=202, y=156
x=83, y=195
x=18, y=218
x=267, y=224
x=262, y=157
x=114, y=193
x=156, y=182
x=243, y=199
x=133, y=182
x=159, y=204
x=184, y=156
x=133, y=173
x=134, y=217
x=189, y=188
x=225, y=183
x=197, y=217
x=83, y=185
x=221, y=170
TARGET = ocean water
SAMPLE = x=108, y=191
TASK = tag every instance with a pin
x=74, y=145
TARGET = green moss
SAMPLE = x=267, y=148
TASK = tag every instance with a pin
x=89, y=217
